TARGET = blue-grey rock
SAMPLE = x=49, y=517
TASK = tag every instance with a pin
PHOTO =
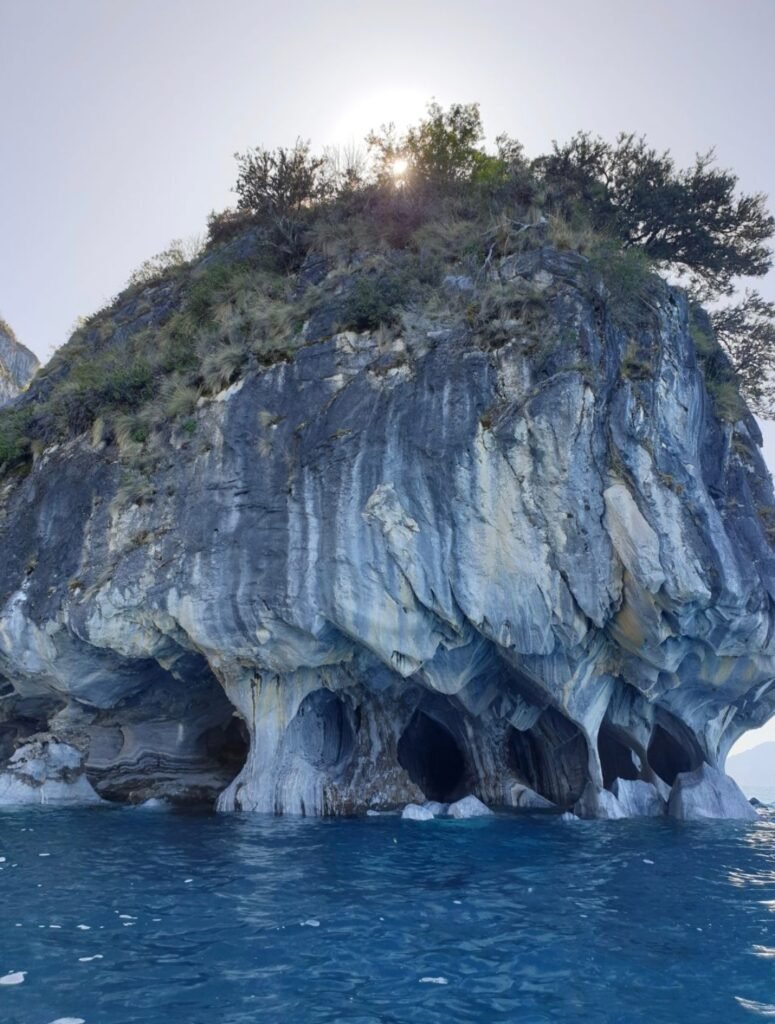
x=708, y=793
x=394, y=569
x=639, y=799
x=598, y=803
x=518, y=795
x=468, y=807
x=17, y=365
x=414, y=812
x=45, y=771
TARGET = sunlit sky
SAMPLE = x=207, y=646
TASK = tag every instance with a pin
x=119, y=120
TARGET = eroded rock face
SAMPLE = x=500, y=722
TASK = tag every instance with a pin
x=412, y=572
x=707, y=793
x=46, y=771
x=17, y=365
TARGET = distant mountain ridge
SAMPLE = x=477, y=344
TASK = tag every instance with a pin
x=17, y=364
x=754, y=767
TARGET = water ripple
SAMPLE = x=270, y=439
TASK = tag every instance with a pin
x=168, y=918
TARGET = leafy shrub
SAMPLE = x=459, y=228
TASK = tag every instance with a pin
x=375, y=300
x=14, y=442
x=281, y=181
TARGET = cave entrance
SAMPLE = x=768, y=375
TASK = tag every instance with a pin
x=616, y=758
x=668, y=757
x=431, y=757
x=551, y=757
x=228, y=745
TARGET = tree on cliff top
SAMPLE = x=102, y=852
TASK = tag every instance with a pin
x=691, y=221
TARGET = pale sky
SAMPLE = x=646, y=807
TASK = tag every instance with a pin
x=119, y=118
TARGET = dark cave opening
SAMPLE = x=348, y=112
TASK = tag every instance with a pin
x=228, y=744
x=668, y=757
x=551, y=757
x=615, y=758
x=323, y=731
x=430, y=755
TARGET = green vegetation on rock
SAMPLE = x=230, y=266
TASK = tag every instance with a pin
x=361, y=241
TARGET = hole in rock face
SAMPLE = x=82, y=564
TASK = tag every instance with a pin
x=322, y=731
x=668, y=757
x=228, y=744
x=551, y=757
x=431, y=757
x=615, y=758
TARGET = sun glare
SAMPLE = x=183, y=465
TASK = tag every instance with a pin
x=400, y=167
x=402, y=106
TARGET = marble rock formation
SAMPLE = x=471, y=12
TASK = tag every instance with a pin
x=44, y=771
x=408, y=568
x=707, y=793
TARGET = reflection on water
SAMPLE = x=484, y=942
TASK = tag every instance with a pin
x=120, y=916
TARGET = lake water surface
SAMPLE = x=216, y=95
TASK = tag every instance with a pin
x=118, y=916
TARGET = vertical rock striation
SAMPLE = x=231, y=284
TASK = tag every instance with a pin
x=17, y=365
x=373, y=575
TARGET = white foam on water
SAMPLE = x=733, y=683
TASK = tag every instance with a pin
x=84, y=927
x=88, y=959
x=434, y=981
x=13, y=978
x=647, y=861
x=127, y=917
x=58, y=926
x=187, y=880
x=762, y=1009
x=69, y=1020
x=2, y=860
x=310, y=923
x=44, y=854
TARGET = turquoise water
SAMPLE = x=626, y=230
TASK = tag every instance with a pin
x=163, y=918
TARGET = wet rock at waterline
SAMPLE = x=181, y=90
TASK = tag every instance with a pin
x=706, y=793
x=468, y=807
x=414, y=812
x=44, y=771
x=598, y=803
x=402, y=569
x=639, y=799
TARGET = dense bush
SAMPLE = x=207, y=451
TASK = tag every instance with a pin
x=281, y=181
x=375, y=300
x=691, y=220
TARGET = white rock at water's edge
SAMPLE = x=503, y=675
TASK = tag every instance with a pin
x=639, y=799
x=415, y=812
x=708, y=793
x=598, y=803
x=469, y=807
